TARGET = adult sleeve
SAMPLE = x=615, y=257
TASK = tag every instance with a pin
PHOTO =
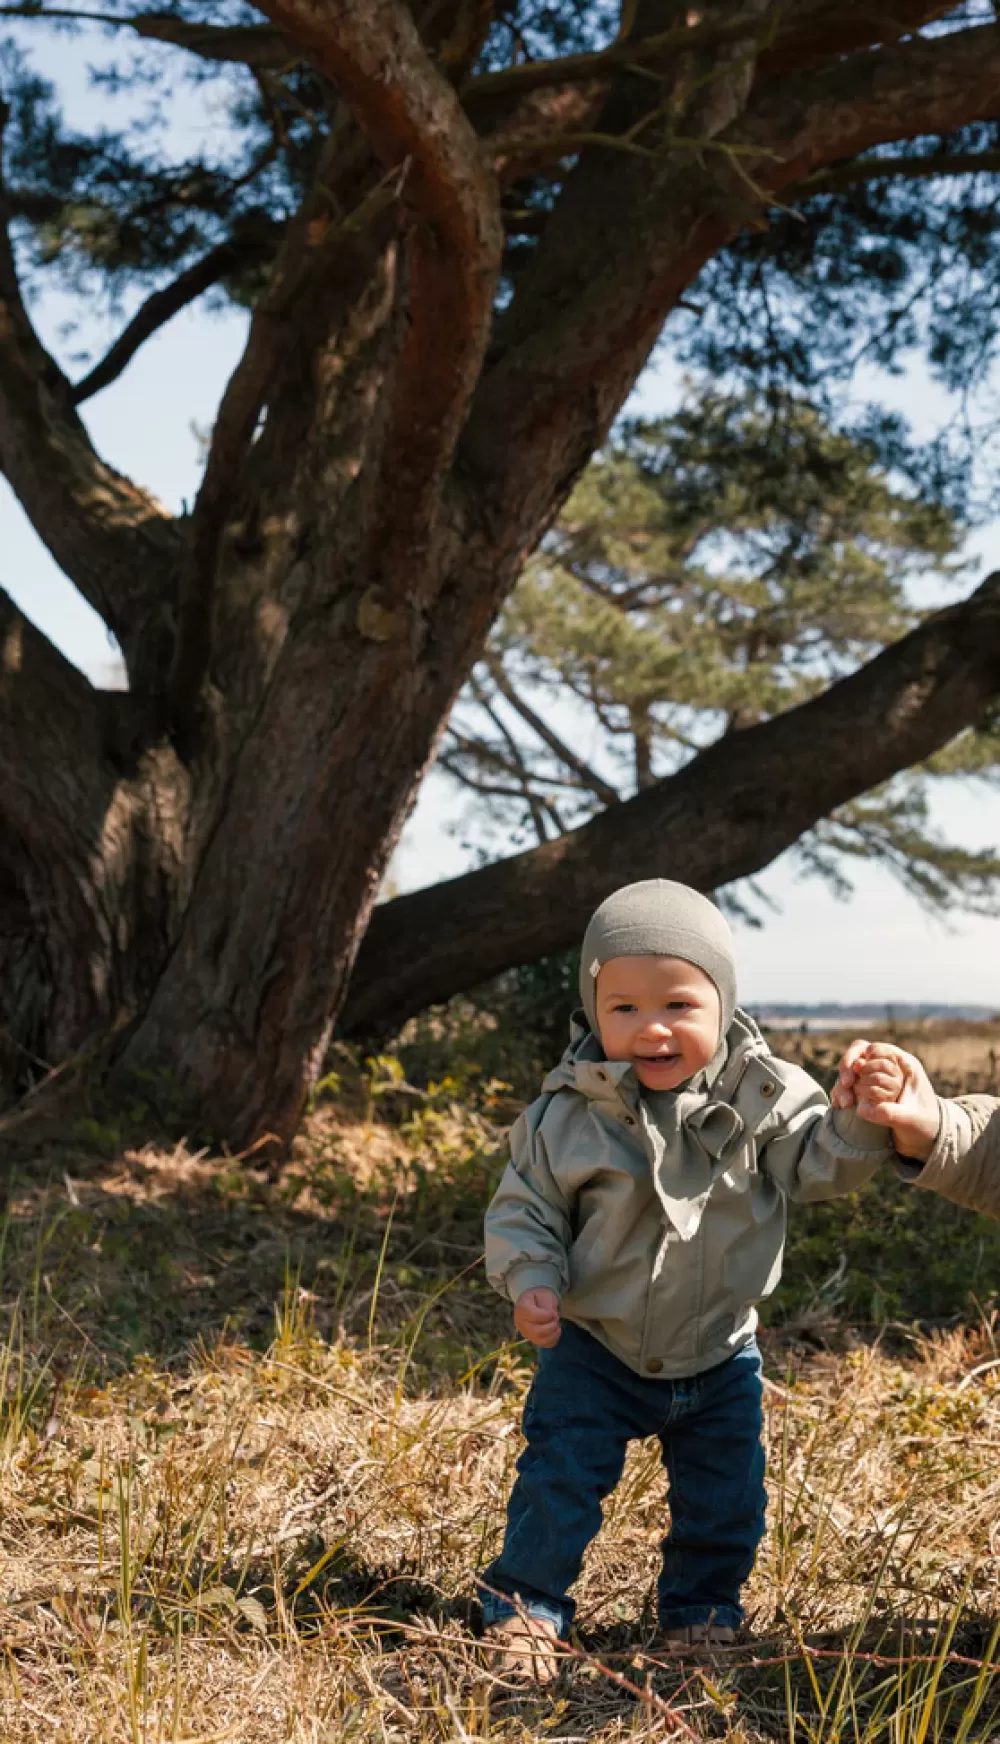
x=964, y=1165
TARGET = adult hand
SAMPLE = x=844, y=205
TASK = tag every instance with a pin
x=890, y=1088
x=536, y=1316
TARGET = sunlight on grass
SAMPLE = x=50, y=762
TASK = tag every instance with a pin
x=257, y=1434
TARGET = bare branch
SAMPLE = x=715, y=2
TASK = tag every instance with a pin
x=450, y=760
x=164, y=304
x=884, y=169
x=589, y=777
x=410, y=113
x=260, y=46
x=753, y=795
x=116, y=542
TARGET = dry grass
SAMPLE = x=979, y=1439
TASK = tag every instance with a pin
x=256, y=1435
x=959, y=1056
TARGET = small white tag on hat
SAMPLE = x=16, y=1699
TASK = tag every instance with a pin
x=595, y=968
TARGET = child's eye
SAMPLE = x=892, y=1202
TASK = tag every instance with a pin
x=679, y=1005
x=624, y=1007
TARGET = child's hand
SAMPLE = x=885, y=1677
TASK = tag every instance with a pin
x=536, y=1316
x=891, y=1088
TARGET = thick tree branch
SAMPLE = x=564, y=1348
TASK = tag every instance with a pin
x=114, y=541
x=164, y=304
x=259, y=46
x=372, y=51
x=925, y=86
x=726, y=815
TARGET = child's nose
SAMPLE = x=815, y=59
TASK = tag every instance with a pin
x=658, y=1026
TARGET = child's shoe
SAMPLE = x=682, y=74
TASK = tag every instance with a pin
x=530, y=1648
x=690, y=1637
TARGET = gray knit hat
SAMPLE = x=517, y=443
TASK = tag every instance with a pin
x=658, y=918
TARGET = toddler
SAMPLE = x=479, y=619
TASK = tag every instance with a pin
x=641, y=1217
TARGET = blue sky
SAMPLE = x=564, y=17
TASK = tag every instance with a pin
x=878, y=946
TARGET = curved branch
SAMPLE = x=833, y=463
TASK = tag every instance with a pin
x=902, y=169
x=371, y=50
x=726, y=815
x=115, y=542
x=587, y=776
x=927, y=85
x=164, y=304
x=252, y=45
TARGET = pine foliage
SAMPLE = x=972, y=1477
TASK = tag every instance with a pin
x=713, y=569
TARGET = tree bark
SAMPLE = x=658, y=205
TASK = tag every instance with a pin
x=94, y=856
x=726, y=815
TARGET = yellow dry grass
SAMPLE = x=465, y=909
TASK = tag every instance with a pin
x=257, y=1435
x=958, y=1056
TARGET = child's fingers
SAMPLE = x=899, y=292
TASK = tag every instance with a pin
x=547, y=1339
x=853, y=1056
x=880, y=1079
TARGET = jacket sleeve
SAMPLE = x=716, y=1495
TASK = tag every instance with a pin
x=819, y=1152
x=528, y=1227
x=965, y=1163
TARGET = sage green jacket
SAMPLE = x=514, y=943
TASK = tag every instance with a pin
x=659, y=1218
x=965, y=1162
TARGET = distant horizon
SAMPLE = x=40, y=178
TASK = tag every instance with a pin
x=884, y=1009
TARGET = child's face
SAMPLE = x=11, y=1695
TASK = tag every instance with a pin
x=661, y=1014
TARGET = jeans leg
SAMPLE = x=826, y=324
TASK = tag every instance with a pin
x=577, y=1424
x=715, y=1465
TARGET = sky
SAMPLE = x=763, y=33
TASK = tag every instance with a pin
x=878, y=946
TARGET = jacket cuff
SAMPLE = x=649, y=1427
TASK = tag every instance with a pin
x=859, y=1134
x=952, y=1139
x=532, y=1275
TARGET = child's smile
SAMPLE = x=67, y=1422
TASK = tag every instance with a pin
x=660, y=1013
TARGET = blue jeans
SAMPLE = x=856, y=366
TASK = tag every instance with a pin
x=583, y=1409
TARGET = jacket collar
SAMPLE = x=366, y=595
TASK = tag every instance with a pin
x=585, y=1068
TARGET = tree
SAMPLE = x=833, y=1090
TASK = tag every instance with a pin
x=710, y=571
x=460, y=227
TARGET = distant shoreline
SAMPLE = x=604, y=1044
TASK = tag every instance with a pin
x=778, y=1014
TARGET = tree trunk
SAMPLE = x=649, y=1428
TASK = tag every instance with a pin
x=318, y=795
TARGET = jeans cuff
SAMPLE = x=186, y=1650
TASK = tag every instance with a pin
x=497, y=1608
x=720, y=1616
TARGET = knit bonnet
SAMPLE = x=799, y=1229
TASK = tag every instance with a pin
x=658, y=918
